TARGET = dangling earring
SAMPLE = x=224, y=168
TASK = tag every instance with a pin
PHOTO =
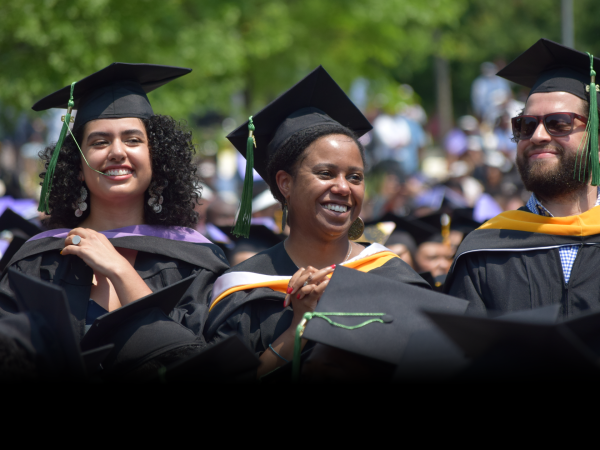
x=80, y=205
x=156, y=198
x=356, y=229
x=284, y=216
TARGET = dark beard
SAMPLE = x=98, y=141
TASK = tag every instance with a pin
x=556, y=181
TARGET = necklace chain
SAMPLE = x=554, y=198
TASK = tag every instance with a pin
x=349, y=251
x=347, y=256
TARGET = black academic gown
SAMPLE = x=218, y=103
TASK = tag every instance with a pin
x=165, y=255
x=257, y=315
x=512, y=263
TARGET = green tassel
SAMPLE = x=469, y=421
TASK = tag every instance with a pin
x=379, y=318
x=47, y=183
x=592, y=127
x=579, y=155
x=244, y=216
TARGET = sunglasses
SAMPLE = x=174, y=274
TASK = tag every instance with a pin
x=557, y=124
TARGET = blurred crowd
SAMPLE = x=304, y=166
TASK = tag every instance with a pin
x=421, y=185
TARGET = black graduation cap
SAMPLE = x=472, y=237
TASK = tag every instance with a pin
x=141, y=330
x=229, y=360
x=522, y=346
x=259, y=233
x=434, y=221
x=547, y=66
x=44, y=329
x=261, y=238
x=22, y=230
x=15, y=244
x=432, y=356
x=420, y=231
x=10, y=220
x=381, y=233
x=316, y=99
x=398, y=307
x=587, y=328
x=462, y=220
x=436, y=283
x=119, y=90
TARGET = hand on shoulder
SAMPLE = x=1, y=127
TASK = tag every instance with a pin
x=96, y=251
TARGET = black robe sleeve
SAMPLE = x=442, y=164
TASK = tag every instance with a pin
x=192, y=309
x=258, y=319
x=466, y=283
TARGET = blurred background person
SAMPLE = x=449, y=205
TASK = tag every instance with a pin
x=489, y=92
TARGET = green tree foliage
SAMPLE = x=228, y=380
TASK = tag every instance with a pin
x=259, y=47
x=499, y=31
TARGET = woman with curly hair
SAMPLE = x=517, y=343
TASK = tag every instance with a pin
x=307, y=150
x=119, y=191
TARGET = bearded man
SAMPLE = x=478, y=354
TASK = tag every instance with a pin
x=548, y=251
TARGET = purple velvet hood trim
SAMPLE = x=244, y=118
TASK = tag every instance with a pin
x=173, y=233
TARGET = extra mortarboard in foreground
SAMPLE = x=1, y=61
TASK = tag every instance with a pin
x=44, y=331
x=230, y=360
x=142, y=330
x=392, y=310
x=315, y=100
x=432, y=356
x=525, y=345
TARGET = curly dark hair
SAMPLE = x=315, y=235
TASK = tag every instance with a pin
x=171, y=152
x=291, y=153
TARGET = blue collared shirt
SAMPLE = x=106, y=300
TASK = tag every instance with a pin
x=567, y=253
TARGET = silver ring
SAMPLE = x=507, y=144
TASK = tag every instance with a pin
x=305, y=283
x=76, y=240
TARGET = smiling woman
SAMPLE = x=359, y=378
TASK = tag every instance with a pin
x=307, y=150
x=169, y=149
x=119, y=191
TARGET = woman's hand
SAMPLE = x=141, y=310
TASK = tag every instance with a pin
x=305, y=289
x=97, y=252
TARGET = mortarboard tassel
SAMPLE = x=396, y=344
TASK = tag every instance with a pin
x=445, y=221
x=592, y=126
x=47, y=183
x=379, y=318
x=590, y=137
x=244, y=216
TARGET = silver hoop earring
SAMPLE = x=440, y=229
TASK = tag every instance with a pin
x=156, y=198
x=80, y=205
